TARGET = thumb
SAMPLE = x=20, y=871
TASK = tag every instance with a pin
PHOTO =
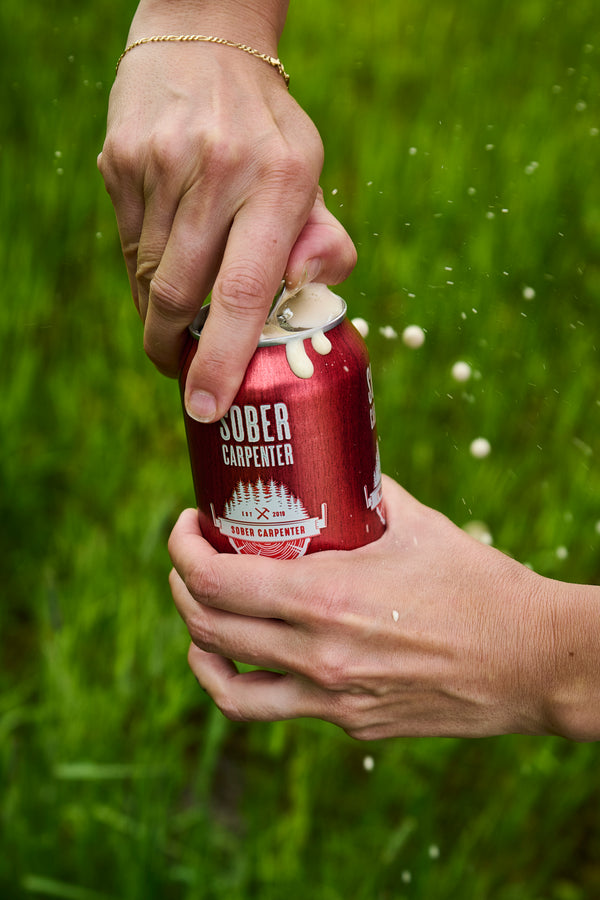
x=323, y=251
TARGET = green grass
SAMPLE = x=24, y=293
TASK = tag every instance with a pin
x=462, y=145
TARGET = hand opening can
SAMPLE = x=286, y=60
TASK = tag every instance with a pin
x=293, y=467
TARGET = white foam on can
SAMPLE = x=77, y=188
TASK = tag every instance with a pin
x=308, y=311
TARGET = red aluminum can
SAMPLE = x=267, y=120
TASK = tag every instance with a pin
x=293, y=467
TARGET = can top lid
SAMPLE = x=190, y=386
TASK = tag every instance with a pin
x=294, y=315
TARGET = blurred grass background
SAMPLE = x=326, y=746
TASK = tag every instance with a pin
x=462, y=147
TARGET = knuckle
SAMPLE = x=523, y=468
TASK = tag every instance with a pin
x=330, y=672
x=203, y=582
x=129, y=154
x=202, y=634
x=164, y=356
x=130, y=248
x=168, y=299
x=168, y=151
x=187, y=152
x=242, y=290
x=220, y=156
x=119, y=159
x=144, y=273
x=231, y=709
x=291, y=171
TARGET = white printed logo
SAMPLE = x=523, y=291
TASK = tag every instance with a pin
x=268, y=520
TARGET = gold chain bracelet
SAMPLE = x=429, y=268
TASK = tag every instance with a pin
x=181, y=38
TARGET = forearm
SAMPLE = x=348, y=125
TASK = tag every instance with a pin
x=258, y=23
x=573, y=695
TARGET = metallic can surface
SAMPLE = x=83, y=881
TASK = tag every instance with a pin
x=293, y=467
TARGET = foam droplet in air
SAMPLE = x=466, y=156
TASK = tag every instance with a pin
x=362, y=326
x=461, y=371
x=413, y=336
x=480, y=448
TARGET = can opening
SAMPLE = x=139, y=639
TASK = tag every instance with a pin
x=294, y=314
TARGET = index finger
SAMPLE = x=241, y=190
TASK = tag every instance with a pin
x=259, y=243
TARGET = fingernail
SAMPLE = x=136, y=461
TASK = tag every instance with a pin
x=201, y=406
x=313, y=268
x=310, y=272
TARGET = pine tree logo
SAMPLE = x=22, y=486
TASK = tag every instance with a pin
x=267, y=519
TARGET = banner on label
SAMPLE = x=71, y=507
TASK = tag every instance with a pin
x=271, y=531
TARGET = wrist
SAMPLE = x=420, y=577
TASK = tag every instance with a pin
x=258, y=23
x=571, y=705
